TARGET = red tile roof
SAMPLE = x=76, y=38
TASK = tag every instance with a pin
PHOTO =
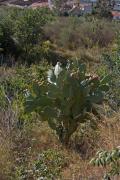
x=115, y=13
x=30, y=3
x=37, y=4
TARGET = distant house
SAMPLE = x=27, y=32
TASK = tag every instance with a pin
x=81, y=8
x=26, y=3
x=88, y=1
x=39, y=4
x=116, y=11
x=116, y=15
x=116, y=7
x=86, y=8
x=76, y=7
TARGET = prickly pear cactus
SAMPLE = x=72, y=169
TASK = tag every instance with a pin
x=64, y=100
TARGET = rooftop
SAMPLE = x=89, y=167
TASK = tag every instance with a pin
x=24, y=3
x=115, y=13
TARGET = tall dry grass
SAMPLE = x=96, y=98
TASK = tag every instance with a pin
x=6, y=156
x=21, y=147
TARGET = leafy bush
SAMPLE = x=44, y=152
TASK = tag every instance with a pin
x=103, y=9
x=15, y=85
x=29, y=32
x=114, y=67
x=108, y=158
x=49, y=164
x=22, y=34
x=68, y=97
x=111, y=64
x=10, y=47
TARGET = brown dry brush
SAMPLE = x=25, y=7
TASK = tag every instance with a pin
x=6, y=145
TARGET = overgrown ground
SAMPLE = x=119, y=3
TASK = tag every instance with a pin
x=25, y=138
x=29, y=148
x=19, y=150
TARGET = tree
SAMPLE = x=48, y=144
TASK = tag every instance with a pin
x=29, y=32
x=10, y=47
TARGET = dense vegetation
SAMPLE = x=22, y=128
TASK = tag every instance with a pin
x=55, y=118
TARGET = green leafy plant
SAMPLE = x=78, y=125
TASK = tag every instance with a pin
x=49, y=164
x=111, y=63
x=29, y=32
x=67, y=99
x=22, y=34
x=110, y=159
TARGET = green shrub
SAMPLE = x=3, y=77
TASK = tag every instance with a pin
x=110, y=159
x=49, y=164
x=15, y=85
x=67, y=99
x=22, y=34
x=111, y=64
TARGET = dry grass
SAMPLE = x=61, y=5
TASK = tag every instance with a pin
x=6, y=145
x=6, y=156
x=77, y=167
x=39, y=137
x=110, y=132
x=109, y=139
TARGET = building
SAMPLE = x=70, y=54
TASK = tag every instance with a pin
x=116, y=10
x=116, y=15
x=26, y=3
x=82, y=9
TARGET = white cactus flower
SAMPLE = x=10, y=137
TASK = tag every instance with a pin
x=68, y=65
x=58, y=69
x=27, y=93
x=49, y=75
